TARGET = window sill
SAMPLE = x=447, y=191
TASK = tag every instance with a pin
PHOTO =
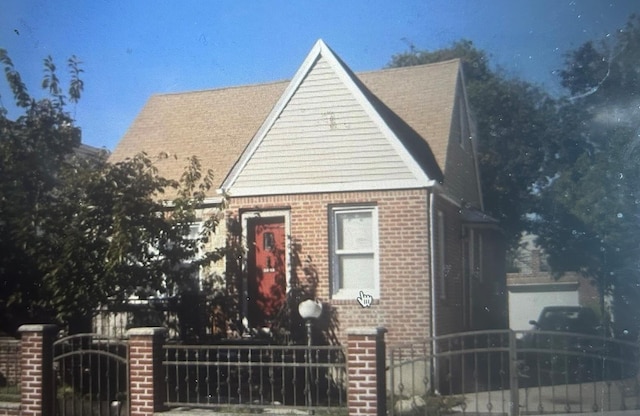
x=340, y=301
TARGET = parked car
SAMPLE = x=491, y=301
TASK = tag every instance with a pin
x=576, y=319
x=566, y=343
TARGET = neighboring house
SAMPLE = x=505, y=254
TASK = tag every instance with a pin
x=533, y=287
x=89, y=152
x=371, y=176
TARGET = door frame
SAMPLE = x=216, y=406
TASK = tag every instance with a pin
x=245, y=217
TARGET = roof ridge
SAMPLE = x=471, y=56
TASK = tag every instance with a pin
x=283, y=81
x=228, y=87
x=407, y=67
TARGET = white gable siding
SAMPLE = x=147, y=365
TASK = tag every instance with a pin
x=323, y=140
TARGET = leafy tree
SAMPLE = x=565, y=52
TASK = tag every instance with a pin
x=589, y=213
x=76, y=232
x=518, y=125
x=33, y=149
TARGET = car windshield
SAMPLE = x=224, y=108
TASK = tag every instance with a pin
x=570, y=320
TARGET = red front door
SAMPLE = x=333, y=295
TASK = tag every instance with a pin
x=267, y=281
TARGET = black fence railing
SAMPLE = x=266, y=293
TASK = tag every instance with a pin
x=514, y=372
x=9, y=369
x=90, y=375
x=114, y=321
x=221, y=376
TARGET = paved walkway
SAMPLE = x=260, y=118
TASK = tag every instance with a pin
x=610, y=398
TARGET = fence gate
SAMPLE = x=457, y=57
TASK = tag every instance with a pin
x=516, y=373
x=90, y=376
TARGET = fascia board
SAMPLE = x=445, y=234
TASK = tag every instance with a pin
x=329, y=188
x=472, y=129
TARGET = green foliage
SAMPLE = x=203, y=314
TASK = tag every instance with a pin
x=475, y=61
x=33, y=149
x=288, y=326
x=588, y=215
x=517, y=127
x=303, y=285
x=566, y=169
x=79, y=232
x=19, y=89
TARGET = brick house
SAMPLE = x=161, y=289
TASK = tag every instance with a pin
x=373, y=176
x=534, y=286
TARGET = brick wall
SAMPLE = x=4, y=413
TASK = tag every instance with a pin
x=36, y=353
x=146, y=390
x=449, y=309
x=365, y=365
x=9, y=409
x=364, y=371
x=403, y=306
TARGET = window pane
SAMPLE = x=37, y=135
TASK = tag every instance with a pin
x=354, y=231
x=356, y=272
x=194, y=231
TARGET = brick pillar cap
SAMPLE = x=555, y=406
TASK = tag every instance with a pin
x=37, y=328
x=366, y=331
x=147, y=331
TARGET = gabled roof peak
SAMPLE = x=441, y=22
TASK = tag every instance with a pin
x=218, y=124
x=387, y=124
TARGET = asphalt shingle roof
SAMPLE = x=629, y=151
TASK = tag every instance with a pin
x=216, y=125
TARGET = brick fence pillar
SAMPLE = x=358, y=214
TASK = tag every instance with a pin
x=36, y=362
x=366, y=371
x=146, y=374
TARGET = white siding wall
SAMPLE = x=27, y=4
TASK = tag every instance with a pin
x=323, y=136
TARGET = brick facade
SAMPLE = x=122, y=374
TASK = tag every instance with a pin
x=145, y=371
x=471, y=299
x=404, y=255
x=365, y=371
x=36, y=353
x=365, y=356
x=449, y=307
x=9, y=409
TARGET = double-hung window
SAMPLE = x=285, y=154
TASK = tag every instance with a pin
x=354, y=251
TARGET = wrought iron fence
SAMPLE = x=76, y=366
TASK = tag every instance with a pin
x=186, y=317
x=90, y=375
x=9, y=369
x=514, y=372
x=115, y=320
x=254, y=376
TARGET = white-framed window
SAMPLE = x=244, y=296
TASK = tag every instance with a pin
x=354, y=251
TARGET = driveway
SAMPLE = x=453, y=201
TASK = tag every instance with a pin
x=617, y=397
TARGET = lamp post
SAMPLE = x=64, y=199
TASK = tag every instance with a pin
x=309, y=310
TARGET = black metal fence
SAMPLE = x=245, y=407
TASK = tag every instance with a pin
x=9, y=369
x=221, y=376
x=114, y=321
x=90, y=376
x=514, y=372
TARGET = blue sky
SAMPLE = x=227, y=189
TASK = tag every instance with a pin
x=133, y=49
